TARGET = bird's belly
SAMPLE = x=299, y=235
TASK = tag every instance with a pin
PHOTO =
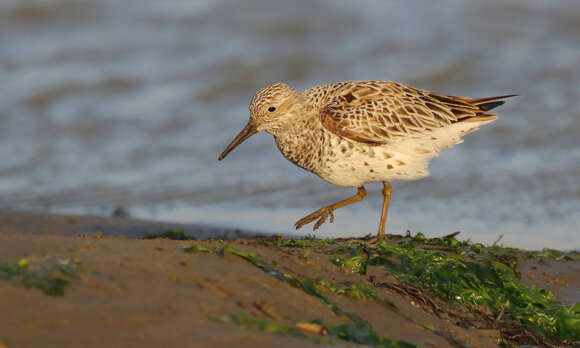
x=350, y=163
x=363, y=164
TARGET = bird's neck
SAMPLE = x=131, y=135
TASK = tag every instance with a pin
x=297, y=142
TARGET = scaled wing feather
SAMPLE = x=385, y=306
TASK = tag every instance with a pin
x=377, y=113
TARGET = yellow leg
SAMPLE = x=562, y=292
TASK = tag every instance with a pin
x=323, y=213
x=387, y=190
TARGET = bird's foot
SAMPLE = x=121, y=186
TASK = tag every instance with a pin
x=377, y=239
x=321, y=214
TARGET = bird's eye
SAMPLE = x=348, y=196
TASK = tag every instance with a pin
x=271, y=109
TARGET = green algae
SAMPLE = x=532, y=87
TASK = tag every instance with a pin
x=357, y=330
x=290, y=243
x=361, y=332
x=477, y=248
x=556, y=255
x=549, y=254
x=52, y=279
x=175, y=234
x=541, y=256
x=428, y=326
x=480, y=281
x=198, y=249
x=299, y=243
x=359, y=291
x=305, y=285
x=464, y=275
x=251, y=323
x=354, y=332
x=356, y=263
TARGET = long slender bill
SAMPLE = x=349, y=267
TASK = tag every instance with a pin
x=247, y=132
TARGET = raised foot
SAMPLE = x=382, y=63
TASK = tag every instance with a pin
x=321, y=214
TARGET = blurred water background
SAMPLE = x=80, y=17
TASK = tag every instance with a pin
x=107, y=104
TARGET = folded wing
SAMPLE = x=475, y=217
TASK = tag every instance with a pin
x=377, y=112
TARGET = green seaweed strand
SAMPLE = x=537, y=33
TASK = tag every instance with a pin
x=52, y=280
x=488, y=283
x=357, y=331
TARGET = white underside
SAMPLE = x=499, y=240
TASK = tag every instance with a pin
x=405, y=159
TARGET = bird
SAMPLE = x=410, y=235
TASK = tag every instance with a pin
x=352, y=133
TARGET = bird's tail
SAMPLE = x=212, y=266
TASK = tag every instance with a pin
x=486, y=104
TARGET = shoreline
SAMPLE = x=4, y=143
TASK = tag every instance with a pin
x=72, y=225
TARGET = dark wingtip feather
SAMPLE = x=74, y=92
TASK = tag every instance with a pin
x=491, y=105
x=485, y=104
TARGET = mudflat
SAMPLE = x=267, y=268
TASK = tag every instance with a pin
x=81, y=281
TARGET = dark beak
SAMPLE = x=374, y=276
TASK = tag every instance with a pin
x=247, y=132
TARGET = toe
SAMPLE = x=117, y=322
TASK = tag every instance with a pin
x=320, y=221
x=299, y=223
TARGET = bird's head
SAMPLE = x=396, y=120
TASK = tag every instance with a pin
x=271, y=110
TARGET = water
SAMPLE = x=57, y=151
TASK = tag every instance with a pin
x=107, y=104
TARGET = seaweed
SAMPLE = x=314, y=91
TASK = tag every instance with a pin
x=356, y=263
x=251, y=323
x=290, y=243
x=359, y=291
x=305, y=285
x=52, y=279
x=197, y=248
x=445, y=243
x=471, y=277
x=427, y=326
x=175, y=234
x=357, y=330
x=471, y=283
x=361, y=332
x=297, y=243
x=557, y=255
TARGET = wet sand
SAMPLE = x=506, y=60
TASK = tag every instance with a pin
x=133, y=292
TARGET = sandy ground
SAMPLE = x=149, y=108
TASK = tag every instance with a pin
x=150, y=293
